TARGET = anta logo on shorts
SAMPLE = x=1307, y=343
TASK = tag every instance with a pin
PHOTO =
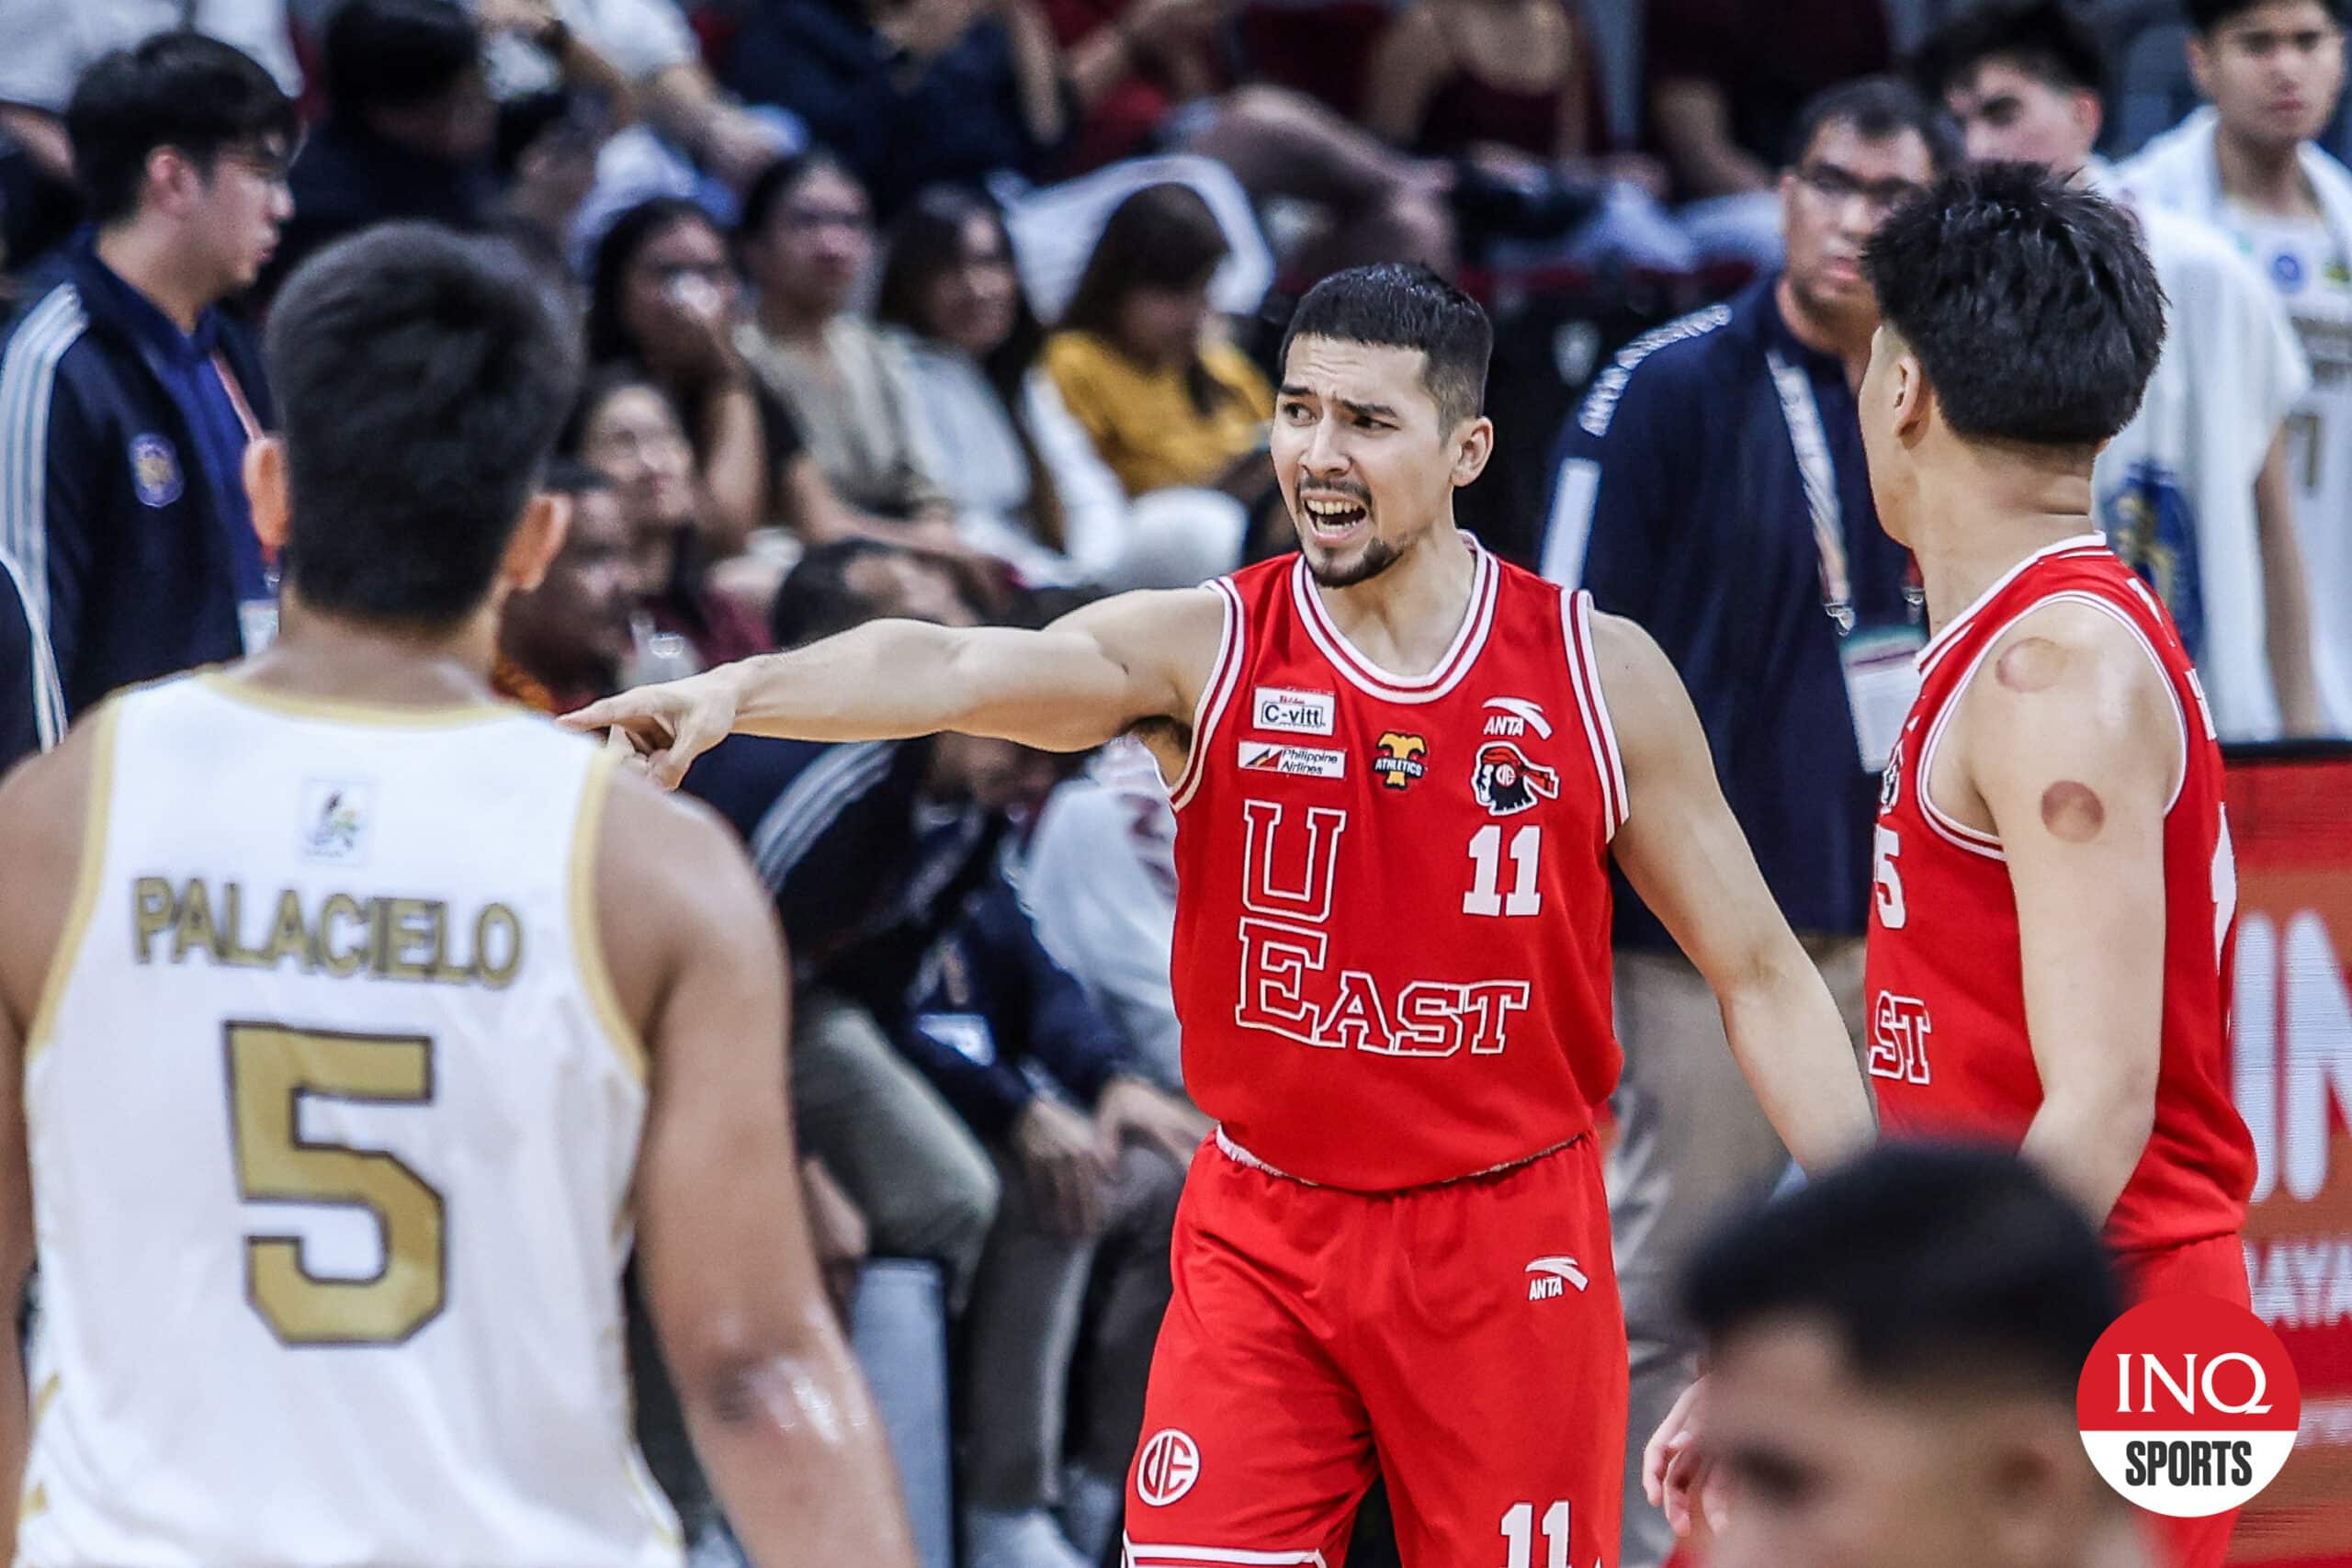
x=1506, y=782
x=1300, y=713
x=1550, y=1275
x=1167, y=1468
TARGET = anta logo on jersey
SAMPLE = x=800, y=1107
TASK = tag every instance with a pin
x=1517, y=715
x=1300, y=713
x=1308, y=762
x=1399, y=762
x=1506, y=782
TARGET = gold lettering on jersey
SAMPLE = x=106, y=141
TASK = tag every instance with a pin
x=384, y=938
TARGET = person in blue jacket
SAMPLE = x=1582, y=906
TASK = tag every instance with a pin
x=128, y=395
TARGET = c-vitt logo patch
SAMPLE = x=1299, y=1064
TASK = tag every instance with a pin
x=2188, y=1405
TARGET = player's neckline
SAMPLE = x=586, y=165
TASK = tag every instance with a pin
x=1939, y=643
x=1469, y=638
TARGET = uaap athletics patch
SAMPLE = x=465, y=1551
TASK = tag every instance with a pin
x=155, y=470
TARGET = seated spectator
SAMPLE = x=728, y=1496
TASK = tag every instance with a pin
x=563, y=644
x=1163, y=404
x=806, y=238
x=662, y=300
x=1023, y=475
x=409, y=129
x=1091, y=1158
x=627, y=431
x=1451, y=77
x=1133, y=63
x=131, y=395
x=835, y=587
x=1727, y=79
x=911, y=93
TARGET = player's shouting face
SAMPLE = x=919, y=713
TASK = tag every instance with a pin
x=1367, y=457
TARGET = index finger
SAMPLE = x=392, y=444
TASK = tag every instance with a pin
x=602, y=714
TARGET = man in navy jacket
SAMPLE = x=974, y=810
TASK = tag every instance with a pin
x=126, y=396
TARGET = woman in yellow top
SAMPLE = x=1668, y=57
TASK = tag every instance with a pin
x=1164, y=404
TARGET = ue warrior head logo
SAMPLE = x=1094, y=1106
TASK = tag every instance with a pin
x=1505, y=781
x=1399, y=762
x=1890, y=783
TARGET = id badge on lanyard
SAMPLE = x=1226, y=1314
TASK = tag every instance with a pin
x=256, y=618
x=1880, y=663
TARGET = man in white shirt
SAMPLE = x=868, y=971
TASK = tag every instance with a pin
x=2274, y=73
x=2194, y=492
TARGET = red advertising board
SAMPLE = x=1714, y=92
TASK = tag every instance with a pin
x=2291, y=816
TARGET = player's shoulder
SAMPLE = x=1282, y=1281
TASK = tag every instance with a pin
x=2074, y=665
x=1662, y=366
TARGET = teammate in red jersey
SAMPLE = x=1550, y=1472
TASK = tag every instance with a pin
x=1399, y=769
x=2055, y=896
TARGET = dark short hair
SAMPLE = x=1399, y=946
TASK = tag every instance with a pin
x=815, y=599
x=176, y=89
x=398, y=54
x=419, y=379
x=2206, y=14
x=1405, y=305
x=569, y=475
x=2040, y=37
x=1878, y=109
x=2030, y=303
x=1929, y=1265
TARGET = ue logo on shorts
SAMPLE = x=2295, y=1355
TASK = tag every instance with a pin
x=1167, y=1468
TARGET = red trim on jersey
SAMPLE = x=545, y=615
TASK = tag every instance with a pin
x=1940, y=644
x=1386, y=685
x=1223, y=675
x=1592, y=707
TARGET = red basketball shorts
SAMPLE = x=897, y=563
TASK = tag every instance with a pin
x=2215, y=1267
x=1466, y=1341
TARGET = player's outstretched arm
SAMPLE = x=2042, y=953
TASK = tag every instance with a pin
x=1076, y=684
x=778, y=1413
x=2071, y=739
x=1684, y=853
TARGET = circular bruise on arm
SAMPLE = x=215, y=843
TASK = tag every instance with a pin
x=2073, y=811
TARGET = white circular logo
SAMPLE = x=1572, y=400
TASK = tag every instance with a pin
x=1169, y=1465
x=2188, y=1405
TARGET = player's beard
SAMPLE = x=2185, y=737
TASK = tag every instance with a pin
x=1378, y=556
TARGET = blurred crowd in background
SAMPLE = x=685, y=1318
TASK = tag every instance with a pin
x=965, y=310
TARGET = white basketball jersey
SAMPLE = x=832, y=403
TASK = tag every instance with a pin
x=332, y=1120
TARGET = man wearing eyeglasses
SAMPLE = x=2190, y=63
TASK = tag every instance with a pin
x=1712, y=487
x=127, y=397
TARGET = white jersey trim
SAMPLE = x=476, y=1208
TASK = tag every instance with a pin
x=1940, y=644
x=1592, y=706
x=587, y=940
x=1140, y=1555
x=1477, y=619
x=1975, y=840
x=87, y=878
x=1224, y=675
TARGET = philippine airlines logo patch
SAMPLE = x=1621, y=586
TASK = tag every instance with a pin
x=2188, y=1405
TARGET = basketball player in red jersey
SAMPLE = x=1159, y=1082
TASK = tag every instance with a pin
x=1399, y=769
x=2055, y=896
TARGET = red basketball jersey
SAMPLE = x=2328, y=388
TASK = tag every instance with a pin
x=1949, y=1055
x=1392, y=921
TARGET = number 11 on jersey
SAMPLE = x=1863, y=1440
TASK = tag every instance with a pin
x=1486, y=896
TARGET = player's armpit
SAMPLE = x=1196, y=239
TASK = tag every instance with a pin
x=2072, y=740
x=1686, y=856
x=777, y=1410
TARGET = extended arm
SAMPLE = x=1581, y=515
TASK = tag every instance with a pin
x=2073, y=745
x=776, y=1409
x=1686, y=856
x=1087, y=677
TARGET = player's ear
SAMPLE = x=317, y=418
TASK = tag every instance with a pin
x=538, y=539
x=1907, y=386
x=265, y=496
x=2201, y=67
x=1472, y=446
